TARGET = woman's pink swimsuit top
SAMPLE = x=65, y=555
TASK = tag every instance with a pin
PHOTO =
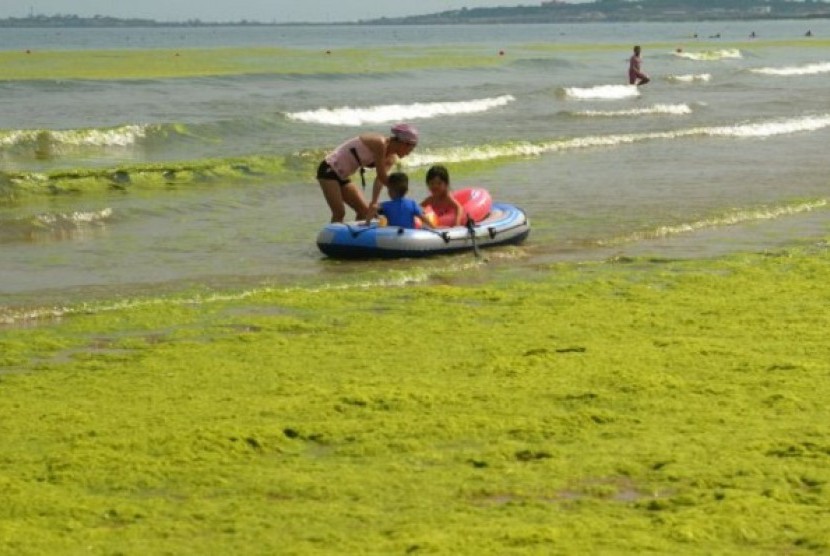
x=344, y=162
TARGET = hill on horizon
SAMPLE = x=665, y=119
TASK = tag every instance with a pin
x=556, y=11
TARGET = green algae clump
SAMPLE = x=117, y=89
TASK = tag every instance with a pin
x=17, y=186
x=672, y=407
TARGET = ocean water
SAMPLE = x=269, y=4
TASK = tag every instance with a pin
x=209, y=180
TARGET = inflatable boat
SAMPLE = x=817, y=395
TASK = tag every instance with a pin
x=504, y=225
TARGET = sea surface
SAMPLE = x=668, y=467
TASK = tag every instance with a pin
x=726, y=150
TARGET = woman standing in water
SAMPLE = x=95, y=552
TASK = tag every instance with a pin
x=369, y=150
x=635, y=72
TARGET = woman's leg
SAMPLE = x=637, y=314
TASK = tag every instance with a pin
x=334, y=197
x=353, y=197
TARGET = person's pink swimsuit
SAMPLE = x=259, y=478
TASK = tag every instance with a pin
x=634, y=72
x=343, y=161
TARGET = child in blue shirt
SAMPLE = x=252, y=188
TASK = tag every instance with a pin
x=400, y=211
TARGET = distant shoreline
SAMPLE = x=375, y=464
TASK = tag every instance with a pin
x=54, y=22
x=112, y=23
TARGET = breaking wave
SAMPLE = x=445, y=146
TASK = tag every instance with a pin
x=766, y=129
x=53, y=225
x=348, y=116
x=727, y=219
x=298, y=167
x=656, y=110
x=690, y=78
x=788, y=71
x=711, y=55
x=757, y=130
x=120, y=136
x=600, y=92
x=73, y=218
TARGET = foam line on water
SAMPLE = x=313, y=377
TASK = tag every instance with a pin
x=599, y=92
x=758, y=130
x=791, y=71
x=768, y=128
x=690, y=78
x=655, y=110
x=728, y=219
x=119, y=136
x=349, y=116
x=711, y=55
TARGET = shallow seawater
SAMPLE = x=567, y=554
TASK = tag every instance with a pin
x=155, y=171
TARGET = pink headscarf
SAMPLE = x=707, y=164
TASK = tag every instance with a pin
x=405, y=133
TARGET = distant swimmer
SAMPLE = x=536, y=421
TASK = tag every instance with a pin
x=635, y=73
x=752, y=35
x=809, y=33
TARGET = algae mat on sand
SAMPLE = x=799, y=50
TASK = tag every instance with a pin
x=676, y=408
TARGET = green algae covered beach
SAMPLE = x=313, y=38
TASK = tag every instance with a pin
x=631, y=406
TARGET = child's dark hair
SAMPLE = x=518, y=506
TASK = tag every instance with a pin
x=439, y=172
x=398, y=184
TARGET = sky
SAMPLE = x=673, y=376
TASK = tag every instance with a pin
x=235, y=10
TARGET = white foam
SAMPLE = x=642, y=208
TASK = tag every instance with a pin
x=656, y=110
x=758, y=130
x=348, y=116
x=711, y=55
x=601, y=92
x=787, y=71
x=690, y=78
x=75, y=218
x=121, y=136
x=767, y=129
x=13, y=137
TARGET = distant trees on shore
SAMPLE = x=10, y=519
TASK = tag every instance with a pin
x=550, y=11
x=68, y=20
